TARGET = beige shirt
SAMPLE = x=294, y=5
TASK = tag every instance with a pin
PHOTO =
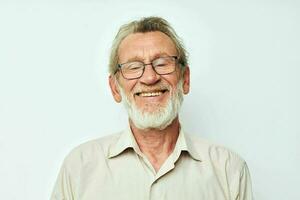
x=114, y=168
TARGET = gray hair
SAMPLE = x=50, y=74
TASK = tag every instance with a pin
x=144, y=25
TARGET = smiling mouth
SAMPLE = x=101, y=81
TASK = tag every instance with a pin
x=150, y=93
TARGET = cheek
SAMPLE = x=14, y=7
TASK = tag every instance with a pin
x=173, y=82
x=128, y=87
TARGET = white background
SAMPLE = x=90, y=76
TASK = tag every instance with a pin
x=54, y=95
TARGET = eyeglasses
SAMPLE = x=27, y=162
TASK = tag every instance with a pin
x=135, y=69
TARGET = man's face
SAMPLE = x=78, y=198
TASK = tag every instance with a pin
x=152, y=92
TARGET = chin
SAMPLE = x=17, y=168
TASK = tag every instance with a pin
x=153, y=117
x=151, y=109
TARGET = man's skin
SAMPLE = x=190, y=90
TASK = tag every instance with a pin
x=156, y=144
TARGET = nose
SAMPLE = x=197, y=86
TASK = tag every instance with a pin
x=149, y=76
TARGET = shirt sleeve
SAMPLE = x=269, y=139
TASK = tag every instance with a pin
x=245, y=186
x=63, y=187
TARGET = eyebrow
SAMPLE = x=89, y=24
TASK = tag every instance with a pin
x=140, y=59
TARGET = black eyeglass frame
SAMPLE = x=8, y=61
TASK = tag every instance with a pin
x=144, y=65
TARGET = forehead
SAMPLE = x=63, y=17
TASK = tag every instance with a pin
x=146, y=46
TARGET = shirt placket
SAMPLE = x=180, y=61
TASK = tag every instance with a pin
x=157, y=190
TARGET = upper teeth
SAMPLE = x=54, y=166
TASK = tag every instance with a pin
x=150, y=94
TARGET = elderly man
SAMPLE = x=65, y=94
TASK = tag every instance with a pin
x=153, y=158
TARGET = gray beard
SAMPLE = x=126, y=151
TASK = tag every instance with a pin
x=159, y=119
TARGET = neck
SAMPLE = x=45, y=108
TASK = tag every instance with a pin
x=156, y=144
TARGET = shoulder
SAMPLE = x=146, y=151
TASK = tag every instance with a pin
x=90, y=151
x=215, y=154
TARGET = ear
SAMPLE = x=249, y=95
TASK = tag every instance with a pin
x=186, y=80
x=115, y=89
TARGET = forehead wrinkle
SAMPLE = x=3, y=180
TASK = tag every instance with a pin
x=146, y=59
x=146, y=47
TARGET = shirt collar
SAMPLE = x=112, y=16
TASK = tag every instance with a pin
x=184, y=143
x=127, y=140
